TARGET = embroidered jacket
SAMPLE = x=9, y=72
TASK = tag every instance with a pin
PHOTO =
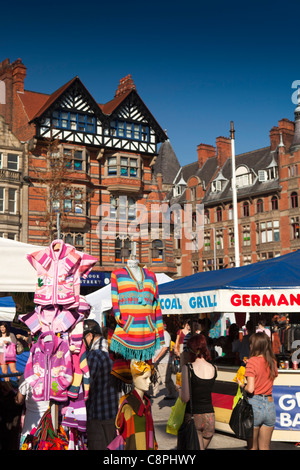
x=137, y=310
x=49, y=368
x=59, y=274
x=135, y=423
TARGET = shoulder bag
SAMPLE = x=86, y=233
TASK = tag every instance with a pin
x=241, y=420
x=187, y=437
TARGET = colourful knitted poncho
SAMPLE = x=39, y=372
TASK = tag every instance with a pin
x=137, y=311
x=135, y=423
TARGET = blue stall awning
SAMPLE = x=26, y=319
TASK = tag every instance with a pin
x=267, y=286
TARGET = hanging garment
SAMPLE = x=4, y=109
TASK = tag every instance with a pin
x=74, y=413
x=49, y=368
x=81, y=374
x=137, y=310
x=59, y=274
x=134, y=422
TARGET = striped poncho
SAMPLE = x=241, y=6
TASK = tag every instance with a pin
x=139, y=331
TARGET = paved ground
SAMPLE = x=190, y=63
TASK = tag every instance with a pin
x=161, y=410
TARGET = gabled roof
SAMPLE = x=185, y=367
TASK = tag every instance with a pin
x=36, y=104
x=57, y=94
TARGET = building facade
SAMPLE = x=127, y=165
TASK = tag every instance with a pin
x=267, y=182
x=87, y=168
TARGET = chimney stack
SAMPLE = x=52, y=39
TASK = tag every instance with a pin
x=223, y=150
x=205, y=152
x=126, y=84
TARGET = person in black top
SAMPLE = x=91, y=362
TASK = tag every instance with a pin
x=203, y=376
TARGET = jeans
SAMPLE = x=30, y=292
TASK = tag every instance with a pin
x=264, y=412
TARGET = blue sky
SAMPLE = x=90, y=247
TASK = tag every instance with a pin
x=196, y=65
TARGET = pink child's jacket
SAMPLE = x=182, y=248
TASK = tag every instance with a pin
x=59, y=274
x=49, y=368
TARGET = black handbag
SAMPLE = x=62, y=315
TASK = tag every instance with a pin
x=241, y=420
x=187, y=436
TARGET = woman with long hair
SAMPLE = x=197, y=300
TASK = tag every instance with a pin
x=203, y=376
x=261, y=371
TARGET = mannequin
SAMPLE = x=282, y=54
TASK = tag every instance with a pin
x=136, y=308
x=133, y=265
x=134, y=419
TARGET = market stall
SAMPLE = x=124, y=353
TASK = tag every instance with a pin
x=271, y=286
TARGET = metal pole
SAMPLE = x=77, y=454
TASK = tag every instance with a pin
x=215, y=255
x=234, y=201
x=58, y=224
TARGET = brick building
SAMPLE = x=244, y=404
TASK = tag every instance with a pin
x=267, y=182
x=85, y=164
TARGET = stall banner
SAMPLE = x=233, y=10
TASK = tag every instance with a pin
x=232, y=300
x=287, y=404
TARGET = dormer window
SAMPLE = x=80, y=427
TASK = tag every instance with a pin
x=243, y=177
x=216, y=186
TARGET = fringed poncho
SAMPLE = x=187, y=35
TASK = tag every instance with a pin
x=137, y=311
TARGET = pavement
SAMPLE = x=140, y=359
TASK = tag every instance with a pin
x=161, y=410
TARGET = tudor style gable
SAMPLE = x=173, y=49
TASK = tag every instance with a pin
x=129, y=125
x=70, y=114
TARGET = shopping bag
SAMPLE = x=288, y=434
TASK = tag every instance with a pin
x=187, y=438
x=176, y=417
x=10, y=354
x=241, y=420
x=239, y=394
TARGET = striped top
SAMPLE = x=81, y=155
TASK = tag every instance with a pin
x=136, y=307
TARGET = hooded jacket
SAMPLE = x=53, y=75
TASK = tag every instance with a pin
x=49, y=368
x=58, y=274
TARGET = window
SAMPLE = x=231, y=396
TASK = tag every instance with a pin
x=295, y=228
x=246, y=235
x=206, y=216
x=112, y=166
x=246, y=259
x=259, y=206
x=294, y=200
x=268, y=232
x=274, y=203
x=128, y=130
x=195, y=266
x=12, y=193
x=219, y=239
x=230, y=212
x=1, y=199
x=122, y=250
x=231, y=237
x=74, y=121
x=157, y=251
x=206, y=241
x=73, y=159
x=12, y=161
x=207, y=265
x=74, y=239
x=219, y=214
x=129, y=167
x=113, y=207
x=246, y=209
x=73, y=201
x=243, y=177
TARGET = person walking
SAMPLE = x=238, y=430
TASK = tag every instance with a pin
x=103, y=400
x=203, y=376
x=162, y=363
x=261, y=371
